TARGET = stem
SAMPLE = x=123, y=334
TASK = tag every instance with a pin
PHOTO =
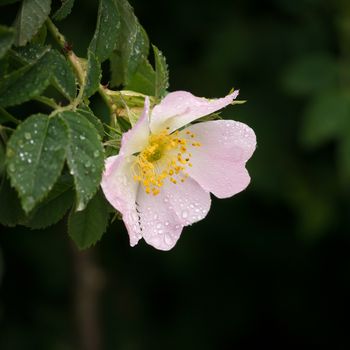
x=47, y=101
x=89, y=282
x=72, y=57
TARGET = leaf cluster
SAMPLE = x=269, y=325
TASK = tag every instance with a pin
x=51, y=162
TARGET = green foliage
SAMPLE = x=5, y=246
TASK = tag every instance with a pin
x=89, y=115
x=84, y=156
x=107, y=30
x=64, y=10
x=7, y=37
x=93, y=75
x=25, y=83
x=54, y=206
x=144, y=79
x=35, y=157
x=62, y=74
x=162, y=73
x=131, y=48
x=87, y=227
x=31, y=16
x=44, y=66
x=37, y=151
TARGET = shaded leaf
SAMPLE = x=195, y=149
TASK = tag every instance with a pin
x=25, y=83
x=7, y=37
x=64, y=10
x=131, y=47
x=162, y=73
x=144, y=79
x=31, y=16
x=84, y=156
x=93, y=75
x=35, y=157
x=55, y=205
x=62, y=74
x=40, y=37
x=87, y=227
x=107, y=29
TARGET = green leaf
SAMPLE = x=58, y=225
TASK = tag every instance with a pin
x=63, y=77
x=84, y=156
x=25, y=83
x=96, y=122
x=87, y=227
x=144, y=79
x=11, y=212
x=30, y=53
x=35, y=157
x=162, y=73
x=325, y=118
x=31, y=16
x=93, y=75
x=131, y=48
x=64, y=10
x=55, y=205
x=7, y=37
x=107, y=29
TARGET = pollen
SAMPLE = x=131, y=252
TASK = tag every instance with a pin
x=165, y=158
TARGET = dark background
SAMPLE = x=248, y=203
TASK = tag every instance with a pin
x=269, y=267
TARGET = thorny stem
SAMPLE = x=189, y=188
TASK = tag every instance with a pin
x=78, y=68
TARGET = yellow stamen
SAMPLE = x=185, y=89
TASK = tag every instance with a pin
x=165, y=156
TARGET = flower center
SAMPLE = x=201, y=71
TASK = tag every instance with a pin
x=165, y=157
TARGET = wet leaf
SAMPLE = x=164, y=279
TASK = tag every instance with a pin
x=90, y=116
x=107, y=29
x=35, y=157
x=93, y=75
x=132, y=46
x=25, y=83
x=31, y=16
x=144, y=79
x=84, y=156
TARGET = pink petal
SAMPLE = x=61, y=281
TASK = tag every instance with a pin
x=136, y=138
x=219, y=163
x=120, y=190
x=188, y=199
x=161, y=227
x=181, y=107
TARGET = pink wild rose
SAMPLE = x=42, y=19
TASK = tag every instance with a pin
x=162, y=178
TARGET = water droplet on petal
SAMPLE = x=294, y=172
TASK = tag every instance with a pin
x=184, y=214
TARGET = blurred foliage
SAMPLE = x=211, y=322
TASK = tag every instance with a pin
x=269, y=266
